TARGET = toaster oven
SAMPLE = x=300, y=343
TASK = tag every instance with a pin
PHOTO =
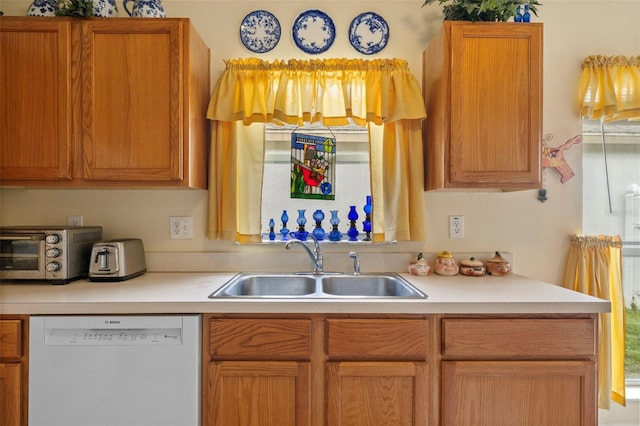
x=54, y=254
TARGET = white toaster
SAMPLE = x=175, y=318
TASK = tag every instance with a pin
x=117, y=260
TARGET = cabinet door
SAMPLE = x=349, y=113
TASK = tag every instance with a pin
x=527, y=393
x=10, y=389
x=132, y=100
x=376, y=393
x=35, y=105
x=258, y=393
x=496, y=105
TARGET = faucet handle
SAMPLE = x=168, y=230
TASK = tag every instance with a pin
x=356, y=262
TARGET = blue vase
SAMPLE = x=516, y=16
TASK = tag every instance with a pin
x=272, y=234
x=105, y=8
x=334, y=235
x=318, y=232
x=352, y=232
x=301, y=234
x=145, y=8
x=518, y=17
x=284, y=231
x=526, y=16
x=366, y=224
x=42, y=8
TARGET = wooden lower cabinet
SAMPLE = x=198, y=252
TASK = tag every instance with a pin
x=259, y=393
x=13, y=370
x=400, y=370
x=10, y=385
x=507, y=393
x=315, y=370
x=526, y=371
x=376, y=393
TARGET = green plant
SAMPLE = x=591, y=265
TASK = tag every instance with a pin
x=632, y=344
x=482, y=10
x=82, y=8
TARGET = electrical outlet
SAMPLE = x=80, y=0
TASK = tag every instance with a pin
x=75, y=220
x=456, y=226
x=181, y=227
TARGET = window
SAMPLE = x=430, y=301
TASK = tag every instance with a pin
x=611, y=205
x=352, y=178
x=381, y=93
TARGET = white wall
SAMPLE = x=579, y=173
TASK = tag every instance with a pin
x=513, y=221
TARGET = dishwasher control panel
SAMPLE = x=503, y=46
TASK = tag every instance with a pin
x=107, y=337
x=112, y=330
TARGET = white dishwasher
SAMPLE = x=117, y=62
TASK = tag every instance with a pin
x=114, y=370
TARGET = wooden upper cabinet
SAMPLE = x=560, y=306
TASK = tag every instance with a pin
x=139, y=90
x=483, y=91
x=35, y=105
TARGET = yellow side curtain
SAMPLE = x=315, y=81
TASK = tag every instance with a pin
x=380, y=92
x=610, y=88
x=594, y=267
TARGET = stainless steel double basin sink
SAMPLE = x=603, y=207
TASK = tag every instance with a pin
x=321, y=286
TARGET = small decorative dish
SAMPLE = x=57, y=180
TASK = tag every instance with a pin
x=472, y=268
x=446, y=264
x=260, y=31
x=313, y=31
x=368, y=33
x=419, y=266
x=498, y=265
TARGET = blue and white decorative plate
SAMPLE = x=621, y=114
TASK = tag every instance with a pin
x=313, y=31
x=260, y=31
x=368, y=33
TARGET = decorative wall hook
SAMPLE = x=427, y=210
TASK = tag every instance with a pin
x=554, y=157
x=542, y=195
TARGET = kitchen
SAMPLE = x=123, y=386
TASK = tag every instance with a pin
x=516, y=222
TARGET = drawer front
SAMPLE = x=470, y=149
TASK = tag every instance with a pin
x=519, y=338
x=11, y=338
x=377, y=338
x=277, y=339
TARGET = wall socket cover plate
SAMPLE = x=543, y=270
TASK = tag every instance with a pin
x=181, y=227
x=75, y=220
x=456, y=226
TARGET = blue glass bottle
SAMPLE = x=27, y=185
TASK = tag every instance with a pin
x=335, y=234
x=272, y=234
x=318, y=232
x=366, y=224
x=301, y=234
x=284, y=231
x=526, y=16
x=518, y=17
x=352, y=232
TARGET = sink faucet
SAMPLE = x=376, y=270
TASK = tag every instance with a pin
x=316, y=255
x=356, y=262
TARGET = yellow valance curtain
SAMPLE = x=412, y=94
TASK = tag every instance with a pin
x=610, y=88
x=594, y=267
x=380, y=93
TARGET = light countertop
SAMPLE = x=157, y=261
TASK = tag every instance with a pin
x=186, y=292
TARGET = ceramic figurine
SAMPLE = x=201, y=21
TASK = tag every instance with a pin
x=498, y=265
x=446, y=264
x=419, y=266
x=472, y=268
